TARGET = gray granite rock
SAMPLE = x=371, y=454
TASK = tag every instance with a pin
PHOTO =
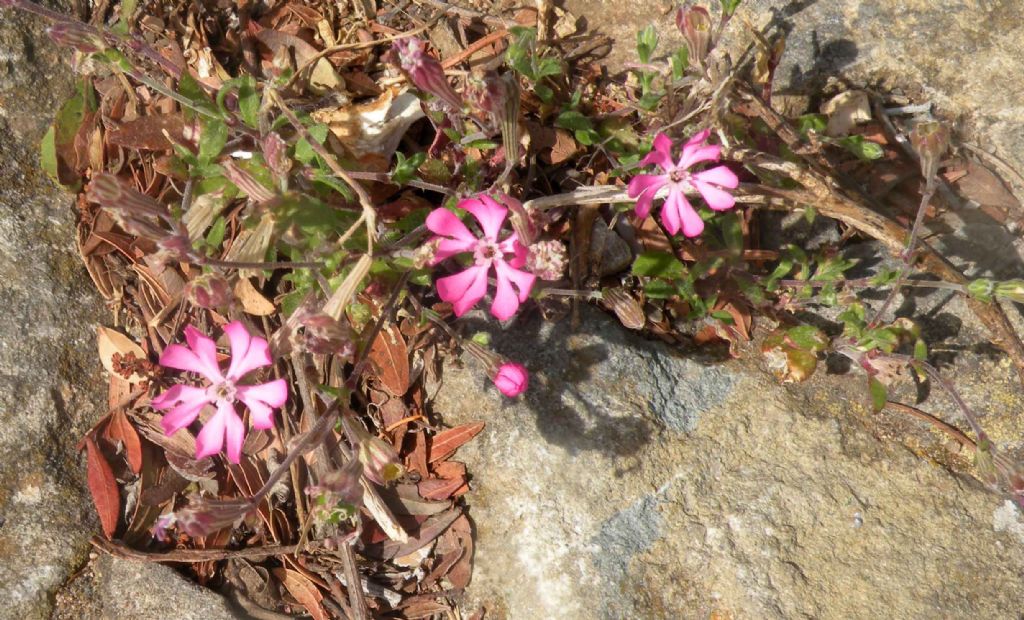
x=114, y=589
x=589, y=501
x=51, y=388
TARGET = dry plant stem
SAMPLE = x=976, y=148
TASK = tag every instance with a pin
x=230, y=264
x=908, y=255
x=831, y=202
x=945, y=384
x=354, y=587
x=369, y=212
x=950, y=430
x=120, y=550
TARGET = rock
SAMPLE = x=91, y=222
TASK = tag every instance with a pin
x=51, y=387
x=633, y=482
x=115, y=589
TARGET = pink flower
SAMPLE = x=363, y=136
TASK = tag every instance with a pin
x=184, y=402
x=464, y=289
x=677, y=212
x=511, y=379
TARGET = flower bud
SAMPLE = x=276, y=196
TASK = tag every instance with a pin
x=423, y=70
x=76, y=35
x=625, y=306
x=203, y=517
x=1011, y=289
x=246, y=182
x=380, y=461
x=275, y=151
x=488, y=94
x=511, y=379
x=695, y=24
x=209, y=291
x=930, y=139
x=324, y=335
x=341, y=485
x=546, y=259
x=981, y=289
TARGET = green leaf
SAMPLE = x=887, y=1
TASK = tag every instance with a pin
x=659, y=289
x=650, y=101
x=547, y=67
x=544, y=93
x=831, y=268
x=885, y=276
x=192, y=90
x=212, y=138
x=729, y=6
x=646, y=42
x=571, y=119
x=659, y=265
x=811, y=122
x=405, y=169
x=808, y=338
x=732, y=231
x=879, y=394
x=723, y=316
x=126, y=11
x=920, y=350
x=810, y=213
x=864, y=149
x=48, y=154
x=249, y=101
x=586, y=137
x=680, y=61
x=482, y=144
x=215, y=237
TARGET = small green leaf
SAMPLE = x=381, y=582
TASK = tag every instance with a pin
x=723, y=316
x=729, y=6
x=646, y=42
x=863, y=149
x=544, y=93
x=659, y=265
x=811, y=122
x=574, y=120
x=212, y=138
x=192, y=90
x=650, y=101
x=808, y=338
x=659, y=289
x=920, y=350
x=483, y=145
x=885, y=276
x=680, y=60
x=48, y=154
x=879, y=394
x=249, y=101
x=215, y=237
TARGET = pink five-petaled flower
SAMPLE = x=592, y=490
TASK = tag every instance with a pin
x=511, y=379
x=184, y=402
x=463, y=290
x=677, y=212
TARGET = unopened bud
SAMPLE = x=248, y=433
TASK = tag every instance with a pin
x=275, y=153
x=246, y=182
x=511, y=379
x=203, y=517
x=695, y=24
x=930, y=139
x=423, y=70
x=981, y=289
x=380, y=461
x=324, y=335
x=626, y=307
x=523, y=225
x=341, y=485
x=546, y=259
x=1011, y=289
x=209, y=291
x=488, y=94
x=76, y=35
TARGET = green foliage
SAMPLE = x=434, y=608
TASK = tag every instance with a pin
x=729, y=6
x=248, y=99
x=879, y=394
x=659, y=265
x=865, y=150
x=522, y=56
x=646, y=42
x=405, y=169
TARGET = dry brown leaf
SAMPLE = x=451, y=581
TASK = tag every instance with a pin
x=253, y=302
x=120, y=429
x=111, y=342
x=448, y=441
x=303, y=591
x=148, y=133
x=374, y=128
x=390, y=355
x=845, y=111
x=103, y=487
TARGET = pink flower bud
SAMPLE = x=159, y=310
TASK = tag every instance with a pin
x=78, y=36
x=275, y=152
x=209, y=291
x=547, y=259
x=423, y=70
x=930, y=139
x=695, y=24
x=511, y=379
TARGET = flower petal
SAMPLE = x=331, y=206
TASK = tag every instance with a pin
x=661, y=154
x=445, y=223
x=489, y=213
x=506, y=300
x=184, y=412
x=698, y=138
x=518, y=251
x=719, y=175
x=247, y=352
x=262, y=399
x=446, y=248
x=717, y=198
x=178, y=394
x=205, y=351
x=643, y=187
x=696, y=154
x=682, y=214
x=211, y=438
x=181, y=358
x=463, y=289
x=234, y=429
